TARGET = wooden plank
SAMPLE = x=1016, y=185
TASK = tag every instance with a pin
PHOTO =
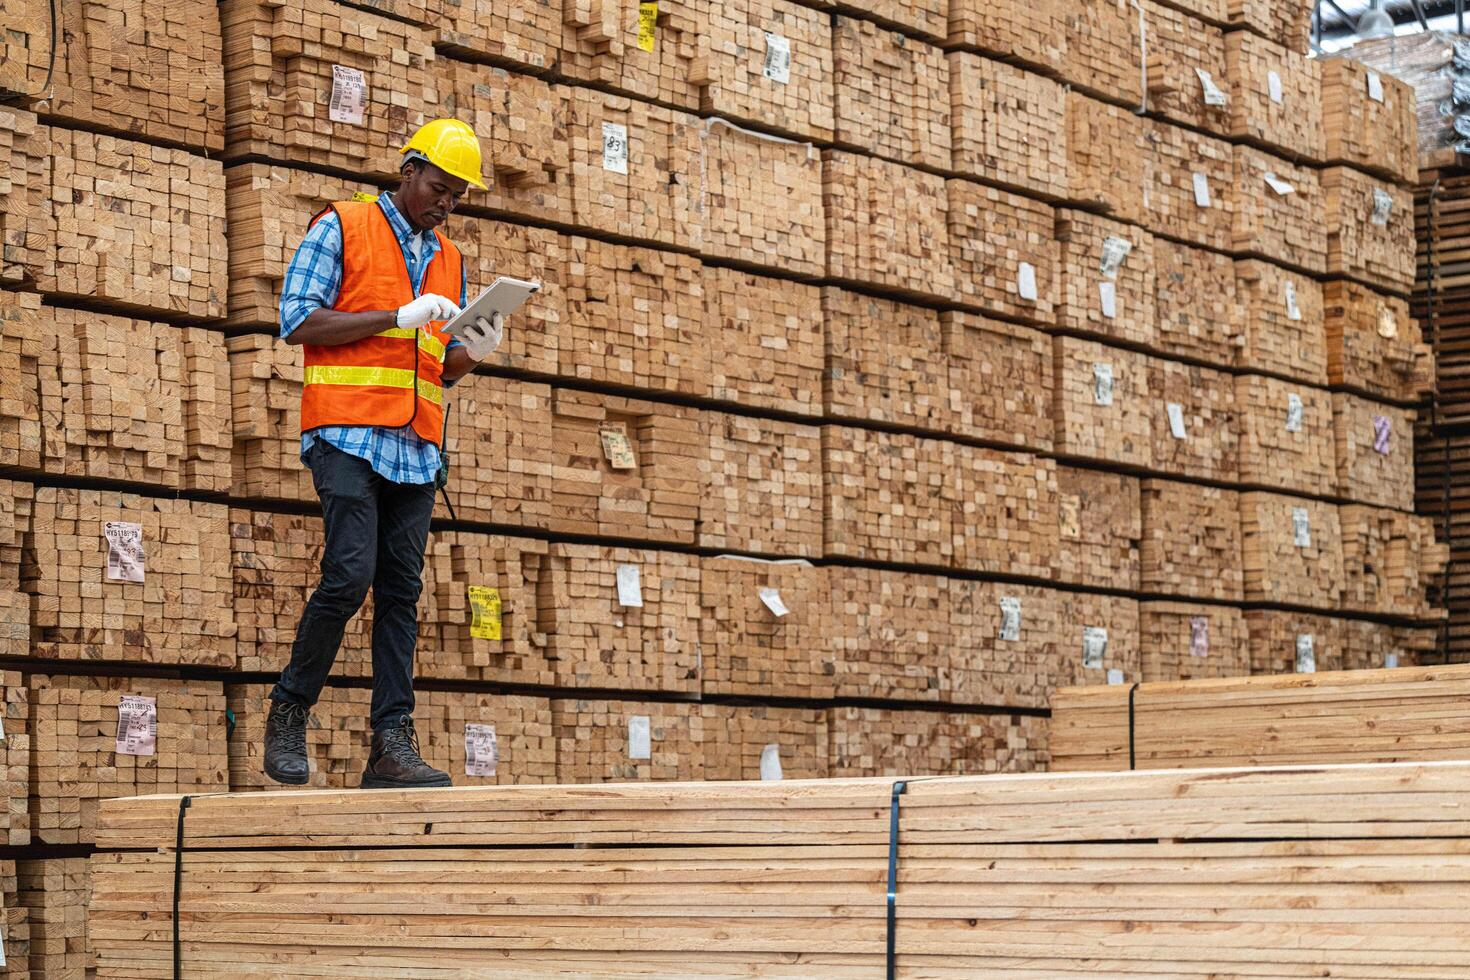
x=1276, y=97
x=738, y=72
x=537, y=332
x=766, y=743
x=1378, y=135
x=53, y=894
x=15, y=751
x=900, y=243
x=1280, y=569
x=1281, y=322
x=502, y=466
x=747, y=648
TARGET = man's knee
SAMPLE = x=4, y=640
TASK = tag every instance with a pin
x=345, y=585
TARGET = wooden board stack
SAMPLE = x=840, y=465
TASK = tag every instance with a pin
x=1100, y=524
x=870, y=241
x=1001, y=386
x=913, y=387
x=493, y=248
x=1374, y=346
x=612, y=741
x=760, y=486
x=1191, y=542
x=24, y=341
x=1184, y=641
x=766, y=743
x=875, y=742
x=499, y=437
x=26, y=230
x=767, y=62
x=765, y=628
x=55, y=894
x=15, y=760
x=1291, y=550
x=766, y=341
x=892, y=94
x=1281, y=322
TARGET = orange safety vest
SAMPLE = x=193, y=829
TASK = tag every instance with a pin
x=393, y=378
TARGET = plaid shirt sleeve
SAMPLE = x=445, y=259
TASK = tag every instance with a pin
x=314, y=277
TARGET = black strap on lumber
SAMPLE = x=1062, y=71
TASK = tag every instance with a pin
x=178, y=886
x=1132, y=715
x=898, y=789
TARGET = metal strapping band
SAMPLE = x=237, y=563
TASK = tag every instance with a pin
x=898, y=789
x=1132, y=754
x=184, y=804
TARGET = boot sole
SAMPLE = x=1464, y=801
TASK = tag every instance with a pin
x=286, y=780
x=383, y=782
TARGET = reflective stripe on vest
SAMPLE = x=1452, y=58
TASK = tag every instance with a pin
x=363, y=377
x=427, y=343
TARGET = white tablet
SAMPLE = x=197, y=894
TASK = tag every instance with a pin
x=504, y=296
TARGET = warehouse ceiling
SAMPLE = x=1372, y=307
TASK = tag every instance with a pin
x=1340, y=17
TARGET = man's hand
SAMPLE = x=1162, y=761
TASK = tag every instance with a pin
x=482, y=337
x=427, y=309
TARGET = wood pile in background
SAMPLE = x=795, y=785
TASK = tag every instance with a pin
x=876, y=742
x=15, y=760
x=1191, y=542
x=736, y=62
x=765, y=341
x=900, y=244
x=1010, y=126
x=628, y=195
x=1368, y=230
x=1099, y=526
x=887, y=496
x=1276, y=97
x=1177, y=160
x=1104, y=408
x=1194, y=421
x=1291, y=551
x=1281, y=322
x=1006, y=517
x=771, y=628
x=1001, y=384
x=1195, y=313
x=1030, y=34
x=1375, y=451
x=1283, y=642
x=613, y=741
x=1390, y=561
x=26, y=232
x=599, y=43
x=885, y=363
x=25, y=341
x=892, y=94
x=1097, y=640
x=764, y=742
x=499, y=437
x=1008, y=637
x=888, y=634
x=1184, y=641
x=1373, y=345
x=495, y=248
x=1378, y=135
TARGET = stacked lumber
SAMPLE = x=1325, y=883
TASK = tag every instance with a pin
x=136, y=226
x=1195, y=304
x=1334, y=717
x=885, y=363
x=1368, y=120
x=1195, y=432
x=1180, y=641
x=1284, y=23
x=1178, y=46
x=1375, y=451
x=54, y=894
x=768, y=62
x=26, y=28
x=1010, y=126
x=1284, y=642
x=499, y=437
x=925, y=18
x=15, y=520
x=1370, y=230
x=24, y=341
x=1276, y=98
x=118, y=577
x=888, y=497
x=496, y=248
x=1105, y=280
x=1003, y=250
x=1373, y=345
x=1369, y=646
x=1425, y=61
x=522, y=32
x=1191, y=543
x=759, y=486
x=1280, y=328
x=26, y=227
x=622, y=166
x=875, y=237
x=766, y=743
x=1179, y=165
x=1106, y=152
x=313, y=82
x=892, y=94
x=1286, y=436
x=1100, y=525
x=770, y=628
x=1389, y=560
x=1278, y=210
x=1006, y=518
x=1097, y=640
x=1291, y=550
x=882, y=742
x=1104, y=53
x=765, y=340
x=1004, y=638
x=891, y=634
x=171, y=735
x=621, y=619
x=606, y=741
x=609, y=45
x=1033, y=34
x=1000, y=385
x=15, y=759
x=1104, y=406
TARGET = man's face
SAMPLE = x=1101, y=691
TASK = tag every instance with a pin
x=428, y=195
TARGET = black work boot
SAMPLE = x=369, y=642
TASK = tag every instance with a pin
x=285, y=744
x=394, y=762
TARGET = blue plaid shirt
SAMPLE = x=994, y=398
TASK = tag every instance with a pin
x=313, y=282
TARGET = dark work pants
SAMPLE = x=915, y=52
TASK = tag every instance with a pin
x=376, y=531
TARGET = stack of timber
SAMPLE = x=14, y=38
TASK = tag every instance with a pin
x=15, y=760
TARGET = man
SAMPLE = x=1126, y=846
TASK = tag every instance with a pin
x=366, y=295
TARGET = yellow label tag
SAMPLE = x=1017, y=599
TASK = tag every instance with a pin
x=364, y=197
x=618, y=450
x=484, y=612
x=647, y=21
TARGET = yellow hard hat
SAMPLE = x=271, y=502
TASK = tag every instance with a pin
x=451, y=146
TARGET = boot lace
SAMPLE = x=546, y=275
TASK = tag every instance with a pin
x=292, y=725
x=402, y=742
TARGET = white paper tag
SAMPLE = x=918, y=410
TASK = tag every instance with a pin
x=481, y=750
x=1382, y=433
x=125, y=557
x=1201, y=190
x=1281, y=187
x=1115, y=675
x=640, y=741
x=778, y=58
x=137, y=725
x=771, y=763
x=1273, y=87
x=1175, y=412
x=1107, y=292
x=1026, y=282
x=1010, y=618
x=349, y=95
x=1293, y=311
x=1375, y=86
x=1294, y=413
x=1390, y=661
x=1115, y=250
x=2, y=728
x=1388, y=324
x=615, y=147
x=772, y=598
x=1199, y=636
x=1301, y=527
x=630, y=587
x=1382, y=206
x=1094, y=646
x=1306, y=656
x=1214, y=95
x=1102, y=384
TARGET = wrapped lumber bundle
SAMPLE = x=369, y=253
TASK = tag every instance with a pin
x=763, y=742
x=1278, y=210
x=1003, y=250
x=480, y=619
x=1180, y=641
x=885, y=363
x=314, y=82
x=522, y=125
x=1291, y=551
x=1195, y=432
x=1368, y=120
x=53, y=894
x=95, y=738
x=620, y=619
x=760, y=486
x=1010, y=126
x=1107, y=147
x=1191, y=541
x=1286, y=436
x=122, y=578
x=888, y=497
x=1097, y=640
x=1195, y=313
x=1373, y=345
x=891, y=636
x=765, y=341
x=635, y=317
x=1103, y=403
x=1389, y=559
x=622, y=166
x=1375, y=451
x=1100, y=524
x=1002, y=644
x=1000, y=380
x=877, y=238
x=884, y=742
x=15, y=759
x=651, y=56
x=522, y=32
x=768, y=62
x=892, y=94
x=1105, y=280
x=27, y=228
x=1006, y=517
x=1370, y=230
x=25, y=339
x=768, y=628
x=118, y=206
x=606, y=741
x=265, y=394
x=1032, y=33
x=1189, y=188
x=745, y=198
x=495, y=248
x=621, y=467
x=1276, y=97
x=1280, y=322
x=499, y=438
x=1284, y=642
x=1284, y=23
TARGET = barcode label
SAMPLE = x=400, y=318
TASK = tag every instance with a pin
x=1010, y=618
x=778, y=59
x=125, y=557
x=481, y=750
x=1306, y=655
x=615, y=147
x=137, y=725
x=1094, y=646
x=349, y=95
x=1102, y=384
x=1199, y=636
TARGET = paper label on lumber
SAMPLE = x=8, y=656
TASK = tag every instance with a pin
x=364, y=197
x=1010, y=618
x=1293, y=311
x=778, y=58
x=481, y=750
x=1281, y=187
x=484, y=612
x=137, y=725
x=1390, y=661
x=1026, y=282
x=1388, y=324
x=349, y=95
x=615, y=147
x=771, y=763
x=1115, y=250
x=1102, y=384
x=640, y=740
x=1382, y=428
x=1115, y=675
x=1176, y=420
x=630, y=587
x=1214, y=95
x=772, y=598
x=1069, y=513
x=647, y=25
x=1382, y=206
x=1199, y=636
x=1201, y=190
x=125, y=556
x=1306, y=657
x=1294, y=412
x=1273, y=86
x=617, y=448
x=1094, y=646
x=2, y=728
x=1108, y=294
x=1375, y=86
x=1301, y=527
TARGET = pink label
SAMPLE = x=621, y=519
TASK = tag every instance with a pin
x=137, y=725
x=1382, y=426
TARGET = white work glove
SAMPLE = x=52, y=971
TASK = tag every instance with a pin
x=426, y=309
x=483, y=336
